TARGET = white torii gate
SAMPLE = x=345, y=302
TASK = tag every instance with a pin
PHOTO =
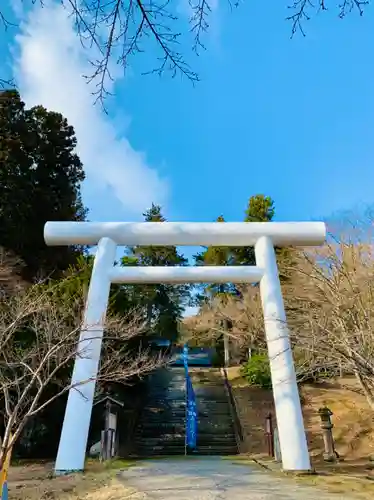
x=108, y=235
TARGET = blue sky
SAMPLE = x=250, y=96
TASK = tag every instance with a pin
x=288, y=118
x=292, y=119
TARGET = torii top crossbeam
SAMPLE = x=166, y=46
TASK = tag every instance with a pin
x=185, y=233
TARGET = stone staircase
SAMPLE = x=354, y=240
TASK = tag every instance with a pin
x=161, y=429
x=216, y=435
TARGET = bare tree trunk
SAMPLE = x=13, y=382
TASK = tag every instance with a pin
x=226, y=343
x=368, y=391
x=2, y=454
x=226, y=349
x=2, y=458
x=4, y=447
x=149, y=315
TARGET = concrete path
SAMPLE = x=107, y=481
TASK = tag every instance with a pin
x=213, y=479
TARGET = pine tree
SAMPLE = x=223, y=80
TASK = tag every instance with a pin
x=40, y=179
x=260, y=209
x=164, y=303
x=218, y=256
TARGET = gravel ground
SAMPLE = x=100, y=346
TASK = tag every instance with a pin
x=214, y=479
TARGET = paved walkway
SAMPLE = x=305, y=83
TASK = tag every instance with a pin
x=213, y=479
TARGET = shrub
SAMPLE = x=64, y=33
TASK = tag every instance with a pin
x=257, y=371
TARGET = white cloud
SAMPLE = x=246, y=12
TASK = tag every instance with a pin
x=48, y=68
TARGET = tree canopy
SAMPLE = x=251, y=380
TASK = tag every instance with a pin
x=164, y=303
x=40, y=180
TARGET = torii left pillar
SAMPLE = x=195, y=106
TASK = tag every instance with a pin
x=73, y=442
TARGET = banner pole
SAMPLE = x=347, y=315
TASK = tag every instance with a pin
x=185, y=363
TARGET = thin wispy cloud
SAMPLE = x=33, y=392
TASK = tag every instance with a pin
x=48, y=66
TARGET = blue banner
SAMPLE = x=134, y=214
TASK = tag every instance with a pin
x=191, y=410
x=191, y=427
x=185, y=358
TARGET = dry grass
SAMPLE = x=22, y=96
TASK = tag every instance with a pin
x=351, y=487
x=353, y=419
x=99, y=482
x=359, y=488
x=353, y=431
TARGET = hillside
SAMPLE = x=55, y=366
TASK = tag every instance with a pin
x=353, y=419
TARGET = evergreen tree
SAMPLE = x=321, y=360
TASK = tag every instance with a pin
x=164, y=303
x=40, y=178
x=260, y=209
x=218, y=256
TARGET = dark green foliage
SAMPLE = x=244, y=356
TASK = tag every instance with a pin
x=257, y=371
x=40, y=178
x=260, y=209
x=163, y=303
x=215, y=256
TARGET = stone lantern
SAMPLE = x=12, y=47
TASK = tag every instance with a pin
x=329, y=455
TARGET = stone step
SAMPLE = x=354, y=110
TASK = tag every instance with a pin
x=181, y=410
x=203, y=439
x=220, y=448
x=165, y=403
x=167, y=384
x=203, y=430
x=225, y=408
x=204, y=425
x=181, y=417
x=216, y=424
x=161, y=430
x=180, y=450
x=168, y=396
x=223, y=421
x=181, y=428
x=172, y=419
x=158, y=442
x=145, y=453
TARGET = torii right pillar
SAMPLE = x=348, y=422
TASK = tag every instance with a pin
x=290, y=423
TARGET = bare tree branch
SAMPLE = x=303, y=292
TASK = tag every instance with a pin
x=199, y=21
x=302, y=11
x=39, y=341
x=113, y=31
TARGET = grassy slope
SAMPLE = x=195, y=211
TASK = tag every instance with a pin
x=353, y=419
x=353, y=431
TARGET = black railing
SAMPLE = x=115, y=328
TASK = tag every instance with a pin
x=239, y=436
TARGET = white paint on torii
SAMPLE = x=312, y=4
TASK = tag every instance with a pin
x=108, y=235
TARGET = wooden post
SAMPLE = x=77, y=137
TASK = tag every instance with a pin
x=269, y=434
